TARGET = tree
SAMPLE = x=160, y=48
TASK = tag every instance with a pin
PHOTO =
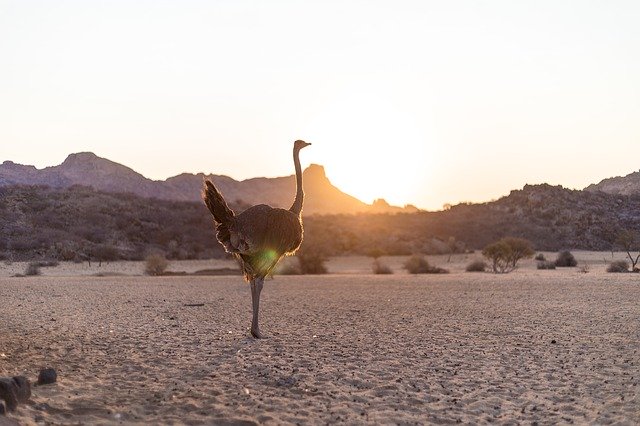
x=628, y=242
x=505, y=254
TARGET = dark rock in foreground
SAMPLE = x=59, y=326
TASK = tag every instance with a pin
x=14, y=390
x=47, y=376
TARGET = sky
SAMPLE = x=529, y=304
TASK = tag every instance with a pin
x=421, y=102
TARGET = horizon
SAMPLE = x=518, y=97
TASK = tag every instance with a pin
x=161, y=179
x=422, y=103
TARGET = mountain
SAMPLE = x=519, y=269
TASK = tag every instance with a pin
x=624, y=185
x=87, y=169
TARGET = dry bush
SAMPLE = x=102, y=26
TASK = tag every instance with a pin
x=545, y=264
x=380, y=268
x=584, y=268
x=505, y=254
x=289, y=269
x=418, y=264
x=311, y=262
x=32, y=269
x=477, y=265
x=156, y=264
x=566, y=259
x=540, y=257
x=618, y=266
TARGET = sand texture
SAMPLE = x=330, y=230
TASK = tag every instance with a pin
x=427, y=349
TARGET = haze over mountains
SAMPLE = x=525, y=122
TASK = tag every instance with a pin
x=88, y=169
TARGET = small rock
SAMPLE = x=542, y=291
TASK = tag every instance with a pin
x=553, y=341
x=14, y=390
x=47, y=376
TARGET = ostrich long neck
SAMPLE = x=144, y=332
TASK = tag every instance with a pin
x=297, y=203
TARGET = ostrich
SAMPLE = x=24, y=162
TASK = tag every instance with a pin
x=259, y=236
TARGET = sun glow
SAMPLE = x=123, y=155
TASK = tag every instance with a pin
x=372, y=148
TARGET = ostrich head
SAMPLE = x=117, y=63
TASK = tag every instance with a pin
x=298, y=145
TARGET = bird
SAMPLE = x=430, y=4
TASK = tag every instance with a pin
x=260, y=236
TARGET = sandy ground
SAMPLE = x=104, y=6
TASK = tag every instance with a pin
x=463, y=347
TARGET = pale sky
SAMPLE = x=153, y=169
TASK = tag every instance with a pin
x=422, y=102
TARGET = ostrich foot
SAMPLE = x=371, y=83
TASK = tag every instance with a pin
x=255, y=332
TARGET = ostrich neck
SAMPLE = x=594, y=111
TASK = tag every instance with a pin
x=297, y=203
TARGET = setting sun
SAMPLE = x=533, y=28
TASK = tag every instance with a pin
x=373, y=149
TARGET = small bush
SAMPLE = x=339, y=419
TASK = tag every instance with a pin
x=156, y=264
x=290, y=269
x=505, y=253
x=477, y=265
x=311, y=262
x=540, y=257
x=380, y=268
x=545, y=264
x=32, y=269
x=618, y=266
x=565, y=259
x=417, y=264
x=584, y=268
x=47, y=263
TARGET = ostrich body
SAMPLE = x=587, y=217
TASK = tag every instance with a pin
x=259, y=236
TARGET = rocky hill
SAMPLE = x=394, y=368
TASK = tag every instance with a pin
x=624, y=185
x=104, y=175
x=79, y=222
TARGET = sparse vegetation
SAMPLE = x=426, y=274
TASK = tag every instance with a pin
x=505, y=254
x=618, y=266
x=628, y=241
x=156, y=264
x=418, y=264
x=311, y=262
x=545, y=264
x=477, y=265
x=32, y=269
x=540, y=257
x=566, y=259
x=584, y=268
x=380, y=268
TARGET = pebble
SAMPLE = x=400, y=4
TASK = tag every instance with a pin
x=553, y=341
x=47, y=376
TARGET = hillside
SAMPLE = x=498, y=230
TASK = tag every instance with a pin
x=88, y=169
x=623, y=185
x=79, y=223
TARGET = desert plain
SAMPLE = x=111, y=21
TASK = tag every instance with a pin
x=529, y=347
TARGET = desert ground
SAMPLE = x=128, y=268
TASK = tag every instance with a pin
x=556, y=346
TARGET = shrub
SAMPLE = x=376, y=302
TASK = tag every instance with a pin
x=540, y=257
x=47, y=263
x=505, y=254
x=311, y=262
x=380, y=268
x=290, y=269
x=417, y=264
x=566, y=259
x=545, y=264
x=477, y=265
x=584, y=268
x=156, y=264
x=618, y=266
x=32, y=269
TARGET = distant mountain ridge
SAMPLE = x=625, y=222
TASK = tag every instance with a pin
x=86, y=168
x=622, y=185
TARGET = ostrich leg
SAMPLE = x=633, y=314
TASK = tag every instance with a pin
x=256, y=288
